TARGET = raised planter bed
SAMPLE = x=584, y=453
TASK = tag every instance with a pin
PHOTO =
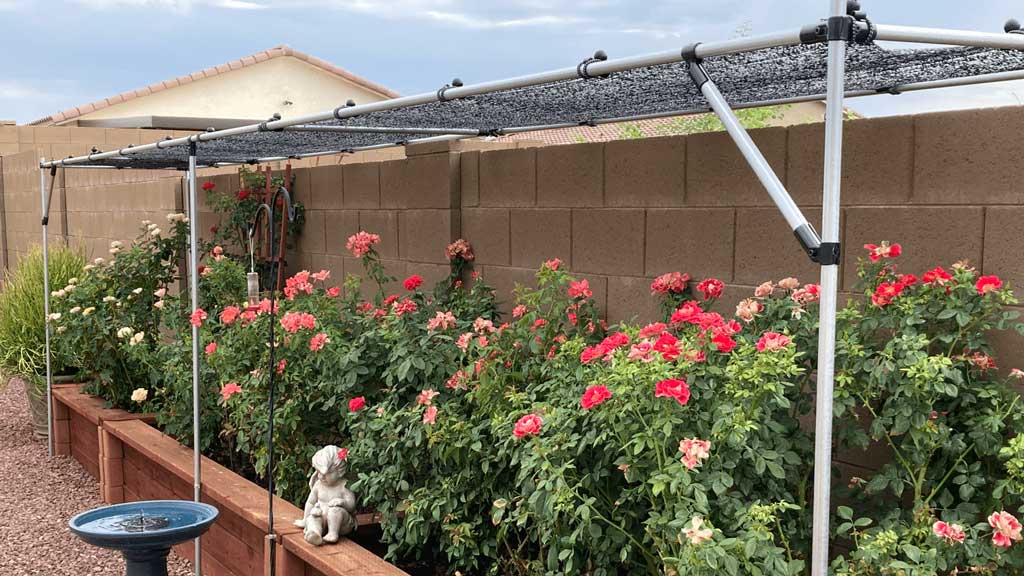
x=135, y=461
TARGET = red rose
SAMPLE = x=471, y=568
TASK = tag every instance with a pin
x=711, y=288
x=528, y=425
x=594, y=395
x=936, y=275
x=356, y=404
x=343, y=454
x=209, y=186
x=986, y=284
x=243, y=194
x=673, y=388
x=580, y=289
x=413, y=282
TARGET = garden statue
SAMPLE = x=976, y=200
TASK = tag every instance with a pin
x=331, y=505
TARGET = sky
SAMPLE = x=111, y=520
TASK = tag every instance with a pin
x=63, y=53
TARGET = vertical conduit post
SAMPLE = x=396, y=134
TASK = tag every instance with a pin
x=193, y=275
x=45, y=214
x=829, y=288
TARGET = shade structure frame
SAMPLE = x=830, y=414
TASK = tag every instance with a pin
x=837, y=88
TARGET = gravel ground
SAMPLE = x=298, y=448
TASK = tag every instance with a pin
x=38, y=496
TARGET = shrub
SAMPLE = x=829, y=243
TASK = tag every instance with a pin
x=110, y=320
x=22, y=317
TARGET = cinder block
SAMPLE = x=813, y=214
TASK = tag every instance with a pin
x=469, y=166
x=9, y=134
x=487, y=229
x=696, y=241
x=338, y=226
x=302, y=186
x=630, y=300
x=384, y=223
x=767, y=250
x=431, y=273
x=1008, y=347
x=362, y=185
x=325, y=189
x=424, y=234
x=930, y=236
x=419, y=182
x=508, y=177
x=119, y=138
x=608, y=241
x=539, y=235
x=504, y=280
x=1004, y=245
x=878, y=160
x=571, y=175
x=89, y=136
x=965, y=157
x=717, y=174
x=645, y=172
x=313, y=237
x=51, y=135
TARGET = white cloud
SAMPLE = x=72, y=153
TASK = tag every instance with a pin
x=183, y=7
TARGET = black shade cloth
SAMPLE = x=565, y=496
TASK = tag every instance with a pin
x=770, y=74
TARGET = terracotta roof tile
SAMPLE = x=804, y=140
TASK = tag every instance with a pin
x=263, y=56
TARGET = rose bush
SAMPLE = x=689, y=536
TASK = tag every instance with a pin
x=554, y=443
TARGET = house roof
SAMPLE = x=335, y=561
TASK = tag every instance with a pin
x=600, y=133
x=245, y=61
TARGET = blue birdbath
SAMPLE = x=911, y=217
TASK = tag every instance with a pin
x=144, y=531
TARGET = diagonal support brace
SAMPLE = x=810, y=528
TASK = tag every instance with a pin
x=802, y=229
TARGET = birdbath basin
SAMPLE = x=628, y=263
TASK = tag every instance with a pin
x=144, y=531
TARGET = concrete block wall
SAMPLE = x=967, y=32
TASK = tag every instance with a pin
x=617, y=213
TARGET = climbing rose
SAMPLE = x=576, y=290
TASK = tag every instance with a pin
x=333, y=292
x=594, y=395
x=580, y=289
x=711, y=288
x=908, y=280
x=528, y=425
x=642, y=351
x=139, y=395
x=747, y=309
x=318, y=341
x=463, y=341
x=1006, y=529
x=361, y=242
x=243, y=194
x=460, y=249
x=673, y=388
x=209, y=186
x=951, y=533
x=197, y=317
x=280, y=366
x=773, y=341
x=483, y=326
x=695, y=533
x=430, y=415
x=694, y=451
x=229, y=314
x=937, y=275
x=687, y=312
x=229, y=390
x=211, y=348
x=986, y=284
x=412, y=282
x=671, y=283
x=518, y=311
x=668, y=346
x=321, y=275
x=426, y=397
x=886, y=250
x=553, y=264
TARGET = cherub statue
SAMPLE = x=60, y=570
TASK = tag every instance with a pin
x=329, y=499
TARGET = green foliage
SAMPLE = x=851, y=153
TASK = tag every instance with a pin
x=22, y=317
x=109, y=321
x=750, y=118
